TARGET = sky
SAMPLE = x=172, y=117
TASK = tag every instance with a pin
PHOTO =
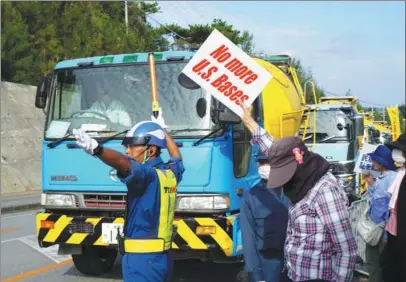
x=348, y=45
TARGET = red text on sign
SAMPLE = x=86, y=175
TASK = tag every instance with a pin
x=221, y=54
x=198, y=68
x=228, y=89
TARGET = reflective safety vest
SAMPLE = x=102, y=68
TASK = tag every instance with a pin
x=167, y=184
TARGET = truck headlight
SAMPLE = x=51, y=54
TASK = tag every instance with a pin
x=203, y=203
x=58, y=200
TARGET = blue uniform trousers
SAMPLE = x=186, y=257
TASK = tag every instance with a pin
x=272, y=266
x=151, y=267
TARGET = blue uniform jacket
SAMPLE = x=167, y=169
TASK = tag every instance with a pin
x=144, y=196
x=143, y=201
x=264, y=219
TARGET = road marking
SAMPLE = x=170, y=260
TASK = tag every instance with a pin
x=50, y=252
x=37, y=271
x=17, y=215
x=9, y=229
x=16, y=239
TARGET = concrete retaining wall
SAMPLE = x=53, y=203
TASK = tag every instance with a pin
x=21, y=134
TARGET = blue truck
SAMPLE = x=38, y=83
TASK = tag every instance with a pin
x=83, y=202
x=335, y=131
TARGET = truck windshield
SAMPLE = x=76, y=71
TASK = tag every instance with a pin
x=331, y=126
x=110, y=99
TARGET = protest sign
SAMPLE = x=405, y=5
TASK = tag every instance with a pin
x=363, y=162
x=226, y=72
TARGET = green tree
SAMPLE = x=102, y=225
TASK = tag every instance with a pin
x=36, y=35
x=16, y=58
x=195, y=35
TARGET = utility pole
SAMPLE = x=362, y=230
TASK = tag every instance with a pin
x=126, y=15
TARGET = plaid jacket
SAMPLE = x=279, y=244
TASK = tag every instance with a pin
x=319, y=242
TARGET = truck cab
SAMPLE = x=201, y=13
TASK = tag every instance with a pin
x=83, y=201
x=335, y=131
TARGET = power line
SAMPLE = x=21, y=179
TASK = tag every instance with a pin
x=167, y=28
x=363, y=101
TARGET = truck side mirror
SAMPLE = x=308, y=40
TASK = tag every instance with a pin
x=186, y=82
x=41, y=96
x=359, y=125
x=222, y=115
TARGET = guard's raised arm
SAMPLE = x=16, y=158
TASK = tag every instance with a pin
x=259, y=135
x=173, y=149
x=110, y=157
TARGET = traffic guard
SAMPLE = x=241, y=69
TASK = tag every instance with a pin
x=151, y=197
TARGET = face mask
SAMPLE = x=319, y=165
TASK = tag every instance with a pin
x=398, y=157
x=146, y=158
x=264, y=171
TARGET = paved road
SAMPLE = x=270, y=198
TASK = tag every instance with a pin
x=23, y=260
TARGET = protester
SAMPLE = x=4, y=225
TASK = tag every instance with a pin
x=394, y=256
x=263, y=221
x=150, y=205
x=320, y=244
x=379, y=203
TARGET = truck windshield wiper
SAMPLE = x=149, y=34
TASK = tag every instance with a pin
x=112, y=137
x=307, y=137
x=327, y=139
x=53, y=144
x=209, y=135
x=188, y=130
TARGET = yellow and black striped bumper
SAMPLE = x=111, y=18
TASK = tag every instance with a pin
x=191, y=233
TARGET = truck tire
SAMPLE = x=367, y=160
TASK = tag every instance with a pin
x=95, y=260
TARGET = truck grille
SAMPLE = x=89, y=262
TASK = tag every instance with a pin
x=81, y=227
x=104, y=201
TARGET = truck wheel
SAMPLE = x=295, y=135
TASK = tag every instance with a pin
x=95, y=260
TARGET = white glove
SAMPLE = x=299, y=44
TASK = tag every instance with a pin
x=84, y=141
x=160, y=119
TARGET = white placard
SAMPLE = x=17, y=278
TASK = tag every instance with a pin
x=110, y=231
x=366, y=149
x=93, y=127
x=228, y=73
x=57, y=129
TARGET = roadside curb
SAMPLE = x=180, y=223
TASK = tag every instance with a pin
x=15, y=208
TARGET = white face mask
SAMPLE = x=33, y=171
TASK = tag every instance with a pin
x=264, y=171
x=398, y=157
